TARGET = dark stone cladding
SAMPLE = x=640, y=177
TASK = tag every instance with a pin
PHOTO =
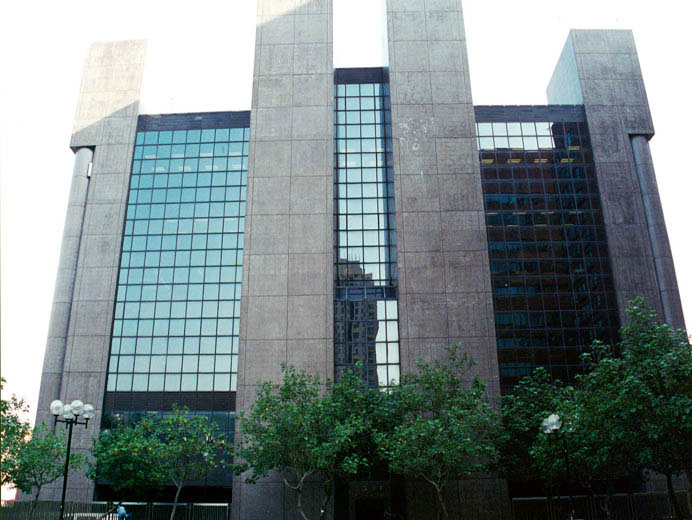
x=527, y=113
x=361, y=75
x=193, y=121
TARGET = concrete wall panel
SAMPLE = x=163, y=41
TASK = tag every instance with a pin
x=78, y=339
x=444, y=279
x=609, y=80
x=287, y=262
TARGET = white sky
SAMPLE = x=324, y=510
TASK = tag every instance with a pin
x=200, y=58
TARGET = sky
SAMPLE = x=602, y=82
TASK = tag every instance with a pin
x=200, y=57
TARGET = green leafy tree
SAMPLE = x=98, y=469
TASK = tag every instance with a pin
x=128, y=458
x=601, y=426
x=531, y=401
x=295, y=428
x=188, y=448
x=446, y=426
x=40, y=460
x=629, y=412
x=13, y=432
x=177, y=449
x=658, y=384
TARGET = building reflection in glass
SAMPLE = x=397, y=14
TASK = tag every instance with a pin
x=552, y=286
x=365, y=279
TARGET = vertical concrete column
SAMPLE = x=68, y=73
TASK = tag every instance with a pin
x=444, y=276
x=286, y=306
x=79, y=337
x=658, y=235
x=600, y=69
x=64, y=286
x=445, y=295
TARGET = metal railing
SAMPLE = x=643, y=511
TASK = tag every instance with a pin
x=632, y=506
x=96, y=510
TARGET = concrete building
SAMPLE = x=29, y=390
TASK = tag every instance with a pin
x=351, y=214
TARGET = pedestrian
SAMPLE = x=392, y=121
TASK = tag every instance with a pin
x=122, y=514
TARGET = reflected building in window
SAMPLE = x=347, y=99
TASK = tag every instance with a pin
x=363, y=215
x=365, y=284
x=553, y=290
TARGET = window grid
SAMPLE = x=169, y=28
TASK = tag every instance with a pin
x=552, y=285
x=365, y=270
x=178, y=301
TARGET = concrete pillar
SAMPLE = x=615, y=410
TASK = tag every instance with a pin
x=287, y=293
x=445, y=295
x=53, y=360
x=79, y=336
x=600, y=69
x=658, y=235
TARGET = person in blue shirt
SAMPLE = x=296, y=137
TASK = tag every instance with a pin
x=122, y=514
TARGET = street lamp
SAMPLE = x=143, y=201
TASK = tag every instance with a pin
x=551, y=425
x=70, y=413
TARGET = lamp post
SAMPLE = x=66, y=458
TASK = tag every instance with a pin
x=551, y=425
x=70, y=413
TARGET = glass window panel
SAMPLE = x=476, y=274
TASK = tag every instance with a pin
x=158, y=363
x=141, y=364
x=124, y=383
x=174, y=363
x=140, y=382
x=499, y=129
x=222, y=382
x=188, y=382
x=156, y=382
x=208, y=135
x=206, y=363
x=172, y=383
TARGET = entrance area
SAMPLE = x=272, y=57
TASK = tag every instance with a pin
x=370, y=509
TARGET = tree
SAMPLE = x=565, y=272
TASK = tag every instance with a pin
x=188, y=448
x=13, y=432
x=293, y=428
x=31, y=457
x=603, y=442
x=658, y=384
x=446, y=427
x=40, y=460
x=531, y=401
x=128, y=458
x=176, y=449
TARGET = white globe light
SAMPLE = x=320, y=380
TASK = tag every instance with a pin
x=56, y=407
x=554, y=422
x=77, y=407
x=544, y=426
x=67, y=412
x=88, y=411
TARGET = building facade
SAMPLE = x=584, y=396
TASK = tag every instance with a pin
x=370, y=215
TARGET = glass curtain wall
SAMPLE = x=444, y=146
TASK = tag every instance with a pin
x=552, y=285
x=175, y=328
x=365, y=269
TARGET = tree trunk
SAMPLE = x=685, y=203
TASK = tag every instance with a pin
x=35, y=501
x=325, y=500
x=551, y=504
x=671, y=497
x=299, y=504
x=609, y=502
x=688, y=474
x=441, y=500
x=177, y=494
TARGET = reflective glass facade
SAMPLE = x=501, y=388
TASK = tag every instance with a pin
x=365, y=271
x=552, y=284
x=175, y=329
